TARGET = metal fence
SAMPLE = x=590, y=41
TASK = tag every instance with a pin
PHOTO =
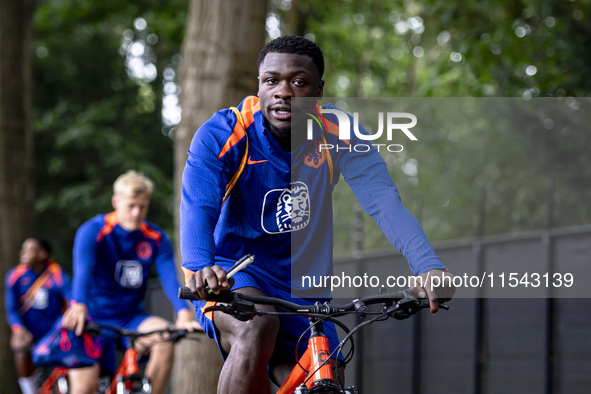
x=485, y=345
x=482, y=345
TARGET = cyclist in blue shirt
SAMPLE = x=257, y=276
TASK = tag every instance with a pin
x=266, y=211
x=112, y=257
x=36, y=294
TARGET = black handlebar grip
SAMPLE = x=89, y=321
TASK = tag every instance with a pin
x=186, y=294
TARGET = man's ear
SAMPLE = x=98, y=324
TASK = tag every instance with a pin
x=321, y=88
x=114, y=201
x=44, y=254
x=259, y=83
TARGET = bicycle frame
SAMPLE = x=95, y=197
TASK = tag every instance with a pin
x=314, y=359
x=314, y=367
x=129, y=368
x=127, y=378
x=123, y=379
x=57, y=374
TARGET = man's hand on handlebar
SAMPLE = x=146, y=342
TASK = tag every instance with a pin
x=74, y=318
x=212, y=277
x=21, y=339
x=438, y=291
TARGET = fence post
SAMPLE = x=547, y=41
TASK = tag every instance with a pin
x=417, y=332
x=480, y=305
x=550, y=304
x=479, y=333
x=358, y=256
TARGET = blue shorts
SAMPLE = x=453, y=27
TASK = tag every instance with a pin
x=109, y=344
x=291, y=327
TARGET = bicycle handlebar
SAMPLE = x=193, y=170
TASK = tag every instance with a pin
x=242, y=306
x=103, y=329
x=357, y=305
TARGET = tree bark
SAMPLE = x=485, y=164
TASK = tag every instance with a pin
x=220, y=51
x=16, y=155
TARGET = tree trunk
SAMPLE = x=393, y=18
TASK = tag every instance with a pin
x=16, y=155
x=220, y=51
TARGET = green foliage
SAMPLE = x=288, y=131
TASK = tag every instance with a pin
x=404, y=48
x=469, y=48
x=92, y=122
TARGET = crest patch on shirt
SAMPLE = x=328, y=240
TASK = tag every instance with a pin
x=143, y=250
x=41, y=299
x=314, y=156
x=286, y=210
x=129, y=274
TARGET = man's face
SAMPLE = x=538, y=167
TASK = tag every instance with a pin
x=281, y=77
x=131, y=211
x=32, y=252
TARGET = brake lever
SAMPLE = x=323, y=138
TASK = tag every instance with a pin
x=424, y=301
x=176, y=335
x=91, y=328
x=425, y=304
x=405, y=308
x=242, y=310
x=409, y=306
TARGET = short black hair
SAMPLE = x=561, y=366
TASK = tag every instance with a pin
x=43, y=242
x=294, y=45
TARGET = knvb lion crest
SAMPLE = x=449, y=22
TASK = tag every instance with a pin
x=129, y=274
x=292, y=209
x=41, y=299
x=315, y=157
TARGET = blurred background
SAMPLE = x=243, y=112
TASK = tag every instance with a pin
x=90, y=89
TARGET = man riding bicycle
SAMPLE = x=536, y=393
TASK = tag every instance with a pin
x=36, y=293
x=112, y=257
x=242, y=179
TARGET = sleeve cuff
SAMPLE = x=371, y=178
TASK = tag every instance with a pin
x=439, y=266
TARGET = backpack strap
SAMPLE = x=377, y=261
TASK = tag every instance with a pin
x=234, y=179
x=328, y=160
x=236, y=176
x=28, y=299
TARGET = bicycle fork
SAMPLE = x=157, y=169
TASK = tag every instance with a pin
x=127, y=380
x=58, y=375
x=317, y=361
x=319, y=357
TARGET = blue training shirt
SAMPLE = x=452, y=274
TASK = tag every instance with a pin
x=111, y=266
x=36, y=300
x=281, y=207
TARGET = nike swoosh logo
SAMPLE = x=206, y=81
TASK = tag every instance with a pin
x=250, y=161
